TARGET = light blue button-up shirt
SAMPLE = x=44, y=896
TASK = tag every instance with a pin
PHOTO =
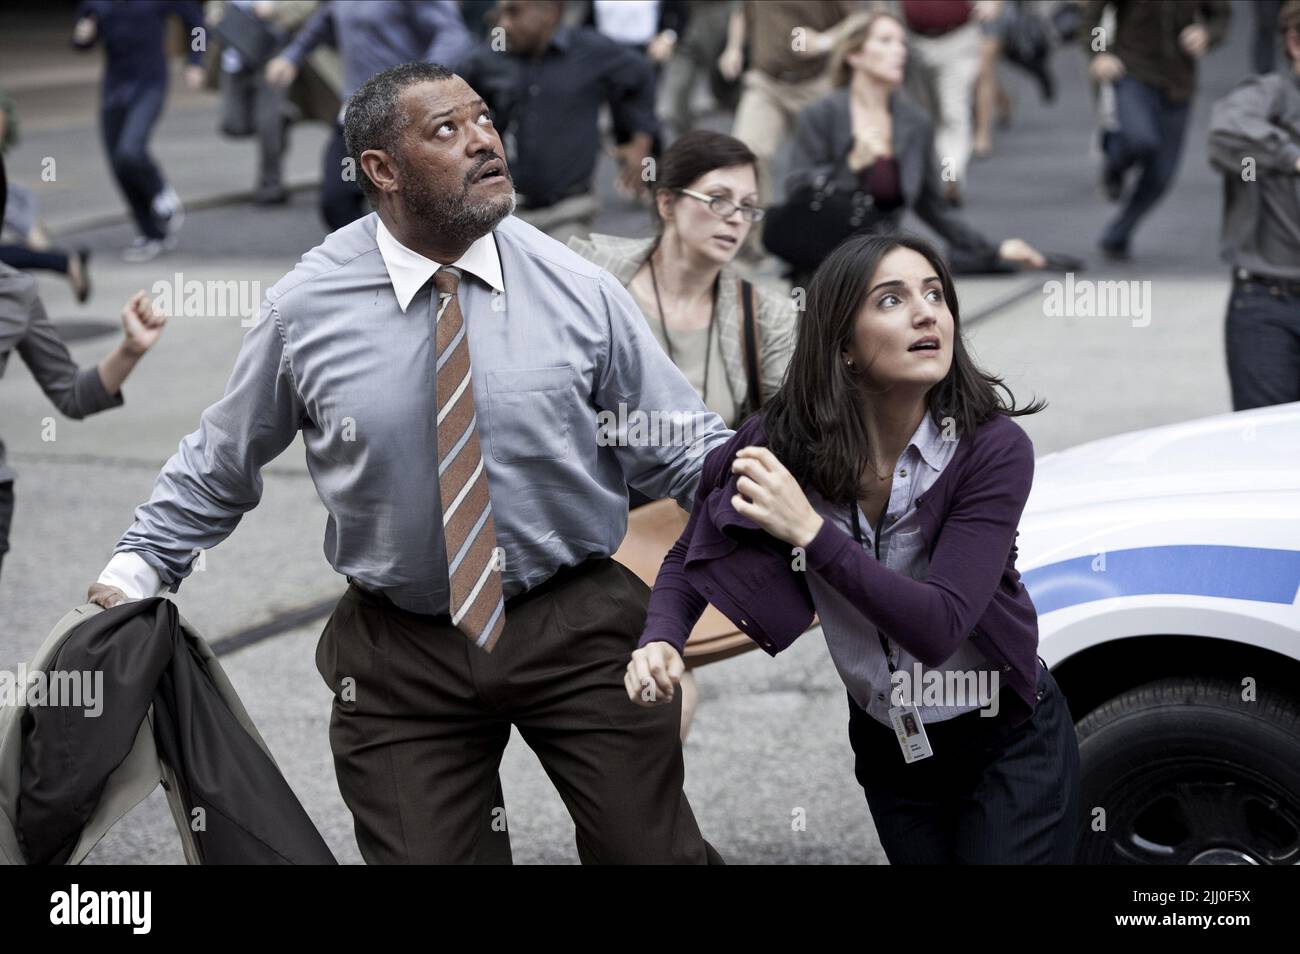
x=852, y=639
x=565, y=376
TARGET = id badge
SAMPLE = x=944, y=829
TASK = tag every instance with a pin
x=911, y=733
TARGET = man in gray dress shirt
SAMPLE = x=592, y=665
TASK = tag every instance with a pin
x=349, y=351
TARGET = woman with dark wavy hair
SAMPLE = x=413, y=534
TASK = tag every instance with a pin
x=881, y=488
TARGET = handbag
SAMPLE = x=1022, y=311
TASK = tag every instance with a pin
x=247, y=35
x=749, y=351
x=815, y=218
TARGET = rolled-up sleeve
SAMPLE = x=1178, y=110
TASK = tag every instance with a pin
x=214, y=477
x=638, y=377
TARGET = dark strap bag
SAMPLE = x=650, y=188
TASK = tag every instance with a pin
x=750, y=349
x=815, y=218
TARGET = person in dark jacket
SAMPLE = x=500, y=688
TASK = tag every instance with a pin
x=891, y=465
x=867, y=137
x=1150, y=63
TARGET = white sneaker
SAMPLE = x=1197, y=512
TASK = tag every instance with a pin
x=168, y=208
x=143, y=250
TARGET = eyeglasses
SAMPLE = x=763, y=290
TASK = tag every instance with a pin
x=723, y=208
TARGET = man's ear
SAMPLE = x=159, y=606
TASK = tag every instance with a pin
x=379, y=166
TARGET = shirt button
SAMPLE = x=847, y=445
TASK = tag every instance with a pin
x=903, y=472
x=880, y=696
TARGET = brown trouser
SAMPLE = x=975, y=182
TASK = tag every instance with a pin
x=421, y=717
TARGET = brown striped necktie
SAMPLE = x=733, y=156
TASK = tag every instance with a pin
x=477, y=607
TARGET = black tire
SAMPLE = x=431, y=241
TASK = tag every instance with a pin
x=1189, y=773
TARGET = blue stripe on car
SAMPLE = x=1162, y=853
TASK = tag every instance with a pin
x=1238, y=573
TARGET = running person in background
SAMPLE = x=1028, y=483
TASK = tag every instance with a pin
x=131, y=100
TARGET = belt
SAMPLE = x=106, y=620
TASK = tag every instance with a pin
x=1285, y=286
x=565, y=574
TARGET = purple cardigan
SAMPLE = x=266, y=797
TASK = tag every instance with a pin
x=968, y=518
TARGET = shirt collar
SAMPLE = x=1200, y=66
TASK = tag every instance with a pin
x=928, y=441
x=409, y=271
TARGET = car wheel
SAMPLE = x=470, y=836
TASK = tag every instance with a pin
x=1187, y=772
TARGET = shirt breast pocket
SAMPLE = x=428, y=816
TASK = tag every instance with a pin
x=529, y=412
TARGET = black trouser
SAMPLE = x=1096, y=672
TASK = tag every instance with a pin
x=1262, y=333
x=6, y=516
x=1150, y=137
x=341, y=198
x=22, y=257
x=421, y=717
x=252, y=106
x=126, y=121
x=992, y=793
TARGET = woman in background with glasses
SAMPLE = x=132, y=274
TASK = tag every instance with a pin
x=705, y=204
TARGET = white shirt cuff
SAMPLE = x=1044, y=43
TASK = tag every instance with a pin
x=134, y=577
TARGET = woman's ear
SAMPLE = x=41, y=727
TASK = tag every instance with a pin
x=664, y=203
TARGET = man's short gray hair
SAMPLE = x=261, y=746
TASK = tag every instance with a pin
x=374, y=120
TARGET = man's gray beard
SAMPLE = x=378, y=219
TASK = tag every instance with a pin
x=454, y=218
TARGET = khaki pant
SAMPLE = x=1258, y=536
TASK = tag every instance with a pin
x=766, y=117
x=953, y=64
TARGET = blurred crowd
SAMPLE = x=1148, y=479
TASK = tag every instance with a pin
x=756, y=135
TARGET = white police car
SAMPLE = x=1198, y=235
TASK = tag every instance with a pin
x=1165, y=565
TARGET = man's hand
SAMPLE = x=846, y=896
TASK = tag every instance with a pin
x=776, y=501
x=1194, y=40
x=631, y=157
x=141, y=325
x=653, y=674
x=731, y=62
x=661, y=47
x=1021, y=252
x=194, y=76
x=281, y=71
x=986, y=11
x=1106, y=68
x=83, y=34
x=104, y=595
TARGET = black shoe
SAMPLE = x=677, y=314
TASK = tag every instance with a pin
x=271, y=195
x=1115, y=253
x=81, y=281
x=1112, y=182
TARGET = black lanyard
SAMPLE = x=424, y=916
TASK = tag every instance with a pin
x=708, y=343
x=857, y=535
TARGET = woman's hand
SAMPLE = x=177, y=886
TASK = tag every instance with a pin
x=1021, y=252
x=775, y=501
x=653, y=674
x=869, y=144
